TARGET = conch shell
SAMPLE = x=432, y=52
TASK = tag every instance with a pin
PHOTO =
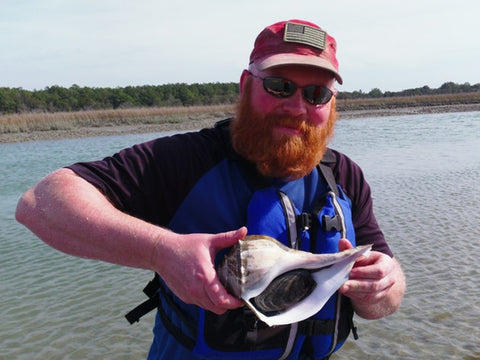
x=283, y=285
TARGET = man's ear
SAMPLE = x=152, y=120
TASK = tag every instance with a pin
x=243, y=78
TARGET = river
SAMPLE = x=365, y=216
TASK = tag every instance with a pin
x=424, y=171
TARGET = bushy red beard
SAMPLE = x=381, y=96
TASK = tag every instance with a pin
x=279, y=156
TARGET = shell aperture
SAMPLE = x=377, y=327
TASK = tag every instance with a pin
x=283, y=285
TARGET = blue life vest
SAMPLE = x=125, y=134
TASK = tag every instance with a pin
x=271, y=211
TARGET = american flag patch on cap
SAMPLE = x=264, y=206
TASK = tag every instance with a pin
x=305, y=34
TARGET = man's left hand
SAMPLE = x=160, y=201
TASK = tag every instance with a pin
x=376, y=284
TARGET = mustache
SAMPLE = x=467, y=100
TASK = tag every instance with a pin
x=297, y=123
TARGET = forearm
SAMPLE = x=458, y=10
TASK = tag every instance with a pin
x=72, y=216
x=388, y=303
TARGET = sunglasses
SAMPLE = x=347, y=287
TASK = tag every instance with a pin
x=283, y=88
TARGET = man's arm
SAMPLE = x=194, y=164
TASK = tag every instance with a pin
x=71, y=215
x=376, y=284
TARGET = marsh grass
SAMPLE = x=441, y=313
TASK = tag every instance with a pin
x=408, y=101
x=30, y=122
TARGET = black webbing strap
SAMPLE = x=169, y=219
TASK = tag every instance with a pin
x=144, y=308
x=327, y=172
x=151, y=290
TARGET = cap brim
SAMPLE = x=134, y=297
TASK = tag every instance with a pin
x=294, y=59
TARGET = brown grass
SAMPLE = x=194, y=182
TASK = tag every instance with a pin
x=27, y=122
x=34, y=122
x=409, y=101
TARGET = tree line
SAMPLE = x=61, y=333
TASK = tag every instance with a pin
x=56, y=98
x=445, y=88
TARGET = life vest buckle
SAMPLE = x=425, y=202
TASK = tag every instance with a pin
x=331, y=223
x=304, y=221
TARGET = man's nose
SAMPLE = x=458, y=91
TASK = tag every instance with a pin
x=295, y=105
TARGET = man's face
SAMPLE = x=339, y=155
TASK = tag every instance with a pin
x=284, y=137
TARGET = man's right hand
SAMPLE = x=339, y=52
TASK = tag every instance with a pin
x=186, y=264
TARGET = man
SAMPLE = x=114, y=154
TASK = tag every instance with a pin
x=173, y=205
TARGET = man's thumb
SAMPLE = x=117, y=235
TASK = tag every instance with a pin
x=230, y=238
x=344, y=244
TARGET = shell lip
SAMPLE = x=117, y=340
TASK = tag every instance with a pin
x=328, y=281
x=291, y=263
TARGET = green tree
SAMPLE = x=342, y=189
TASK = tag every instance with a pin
x=375, y=93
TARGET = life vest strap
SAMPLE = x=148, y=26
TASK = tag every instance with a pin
x=151, y=290
x=173, y=329
x=135, y=314
x=328, y=157
x=314, y=327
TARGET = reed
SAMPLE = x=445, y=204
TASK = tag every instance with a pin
x=408, y=101
x=27, y=122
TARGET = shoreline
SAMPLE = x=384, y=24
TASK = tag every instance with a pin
x=202, y=122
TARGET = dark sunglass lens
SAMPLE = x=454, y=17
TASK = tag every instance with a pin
x=279, y=87
x=317, y=95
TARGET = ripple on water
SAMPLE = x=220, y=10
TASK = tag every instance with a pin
x=424, y=172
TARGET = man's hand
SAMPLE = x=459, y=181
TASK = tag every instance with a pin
x=376, y=284
x=187, y=267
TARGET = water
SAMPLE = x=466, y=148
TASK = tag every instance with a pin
x=425, y=176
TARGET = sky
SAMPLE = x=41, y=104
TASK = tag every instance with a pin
x=386, y=44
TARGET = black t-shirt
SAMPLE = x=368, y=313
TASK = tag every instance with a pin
x=151, y=180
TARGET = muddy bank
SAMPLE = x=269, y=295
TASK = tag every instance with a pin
x=81, y=132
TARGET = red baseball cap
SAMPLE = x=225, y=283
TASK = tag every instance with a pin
x=295, y=42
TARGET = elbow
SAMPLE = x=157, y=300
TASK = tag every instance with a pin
x=29, y=212
x=25, y=207
x=35, y=204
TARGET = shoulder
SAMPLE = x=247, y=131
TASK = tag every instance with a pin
x=347, y=172
x=350, y=177
x=205, y=141
x=191, y=152
x=160, y=171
